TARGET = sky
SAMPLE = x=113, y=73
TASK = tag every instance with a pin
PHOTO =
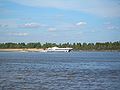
x=59, y=21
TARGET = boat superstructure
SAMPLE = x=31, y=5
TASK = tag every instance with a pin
x=54, y=49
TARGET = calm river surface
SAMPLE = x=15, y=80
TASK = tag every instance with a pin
x=60, y=71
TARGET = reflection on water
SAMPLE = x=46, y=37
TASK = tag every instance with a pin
x=56, y=71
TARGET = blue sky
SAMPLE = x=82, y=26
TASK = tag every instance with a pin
x=59, y=21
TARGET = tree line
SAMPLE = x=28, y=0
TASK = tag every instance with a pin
x=75, y=46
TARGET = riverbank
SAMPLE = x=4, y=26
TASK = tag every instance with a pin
x=97, y=50
x=42, y=50
x=22, y=50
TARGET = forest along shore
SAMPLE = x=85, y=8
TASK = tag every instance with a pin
x=22, y=50
x=44, y=50
x=40, y=47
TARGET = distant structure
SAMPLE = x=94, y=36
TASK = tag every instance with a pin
x=56, y=49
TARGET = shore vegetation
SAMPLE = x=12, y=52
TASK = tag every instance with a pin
x=75, y=46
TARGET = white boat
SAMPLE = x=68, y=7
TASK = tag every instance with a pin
x=56, y=49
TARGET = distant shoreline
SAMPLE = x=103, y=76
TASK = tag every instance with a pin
x=42, y=50
x=22, y=50
x=40, y=47
x=98, y=50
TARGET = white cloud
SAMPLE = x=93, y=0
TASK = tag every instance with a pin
x=52, y=29
x=110, y=26
x=106, y=8
x=18, y=34
x=67, y=26
x=3, y=25
x=30, y=25
x=81, y=23
x=12, y=23
x=8, y=23
x=93, y=31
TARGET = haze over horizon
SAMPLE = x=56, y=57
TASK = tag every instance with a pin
x=59, y=21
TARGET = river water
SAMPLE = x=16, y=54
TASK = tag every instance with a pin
x=59, y=71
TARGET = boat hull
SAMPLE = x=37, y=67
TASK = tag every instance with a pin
x=56, y=49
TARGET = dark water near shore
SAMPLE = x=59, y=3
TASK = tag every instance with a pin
x=60, y=71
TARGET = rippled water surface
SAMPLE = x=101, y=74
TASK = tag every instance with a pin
x=60, y=71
